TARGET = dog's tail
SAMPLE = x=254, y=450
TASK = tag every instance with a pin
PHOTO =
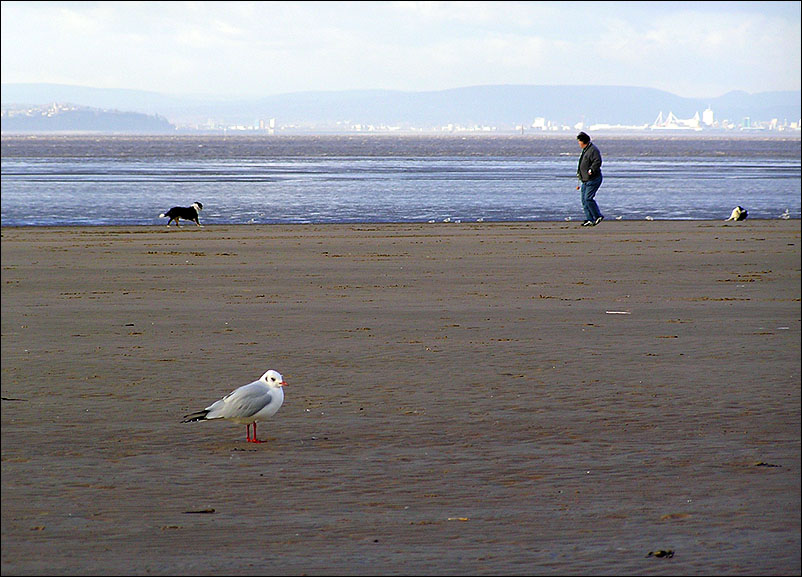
x=162, y=215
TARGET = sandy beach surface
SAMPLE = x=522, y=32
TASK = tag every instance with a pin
x=463, y=399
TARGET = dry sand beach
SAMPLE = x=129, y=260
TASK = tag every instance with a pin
x=463, y=399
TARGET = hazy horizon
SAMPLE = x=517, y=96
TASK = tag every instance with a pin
x=246, y=49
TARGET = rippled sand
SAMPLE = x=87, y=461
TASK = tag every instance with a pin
x=525, y=399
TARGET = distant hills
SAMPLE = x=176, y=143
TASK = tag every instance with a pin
x=501, y=107
x=71, y=118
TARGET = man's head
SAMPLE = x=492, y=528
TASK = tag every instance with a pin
x=583, y=139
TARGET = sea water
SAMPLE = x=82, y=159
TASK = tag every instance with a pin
x=130, y=180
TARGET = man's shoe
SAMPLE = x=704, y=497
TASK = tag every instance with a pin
x=598, y=220
x=588, y=223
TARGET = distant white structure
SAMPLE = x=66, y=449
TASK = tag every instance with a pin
x=543, y=124
x=269, y=126
x=671, y=122
x=707, y=117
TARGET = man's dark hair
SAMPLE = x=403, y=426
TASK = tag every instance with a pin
x=583, y=138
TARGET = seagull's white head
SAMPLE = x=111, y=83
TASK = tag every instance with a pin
x=273, y=379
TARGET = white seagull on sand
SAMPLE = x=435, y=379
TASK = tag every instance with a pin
x=249, y=404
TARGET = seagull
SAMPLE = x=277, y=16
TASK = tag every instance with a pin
x=247, y=404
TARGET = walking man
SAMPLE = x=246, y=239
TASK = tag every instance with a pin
x=590, y=176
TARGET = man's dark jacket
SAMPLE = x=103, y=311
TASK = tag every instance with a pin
x=589, y=163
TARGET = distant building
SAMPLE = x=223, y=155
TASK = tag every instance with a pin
x=671, y=122
x=539, y=123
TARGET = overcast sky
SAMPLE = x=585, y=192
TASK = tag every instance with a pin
x=692, y=49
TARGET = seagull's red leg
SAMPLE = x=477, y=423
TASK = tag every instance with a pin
x=254, y=440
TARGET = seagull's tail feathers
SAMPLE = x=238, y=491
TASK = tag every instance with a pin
x=199, y=416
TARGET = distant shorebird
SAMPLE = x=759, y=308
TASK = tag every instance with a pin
x=247, y=405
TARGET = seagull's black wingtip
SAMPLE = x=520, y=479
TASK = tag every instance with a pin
x=199, y=416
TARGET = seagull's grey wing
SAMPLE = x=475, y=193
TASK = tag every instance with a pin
x=242, y=403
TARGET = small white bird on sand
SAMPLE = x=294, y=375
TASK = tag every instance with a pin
x=247, y=405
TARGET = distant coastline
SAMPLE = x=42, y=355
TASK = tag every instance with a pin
x=68, y=119
x=502, y=109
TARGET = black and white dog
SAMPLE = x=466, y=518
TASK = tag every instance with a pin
x=738, y=213
x=185, y=212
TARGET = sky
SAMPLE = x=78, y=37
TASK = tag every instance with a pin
x=252, y=49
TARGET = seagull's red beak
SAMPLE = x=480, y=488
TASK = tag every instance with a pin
x=282, y=384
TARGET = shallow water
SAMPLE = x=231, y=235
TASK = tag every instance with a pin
x=104, y=180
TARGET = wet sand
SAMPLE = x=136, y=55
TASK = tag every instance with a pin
x=463, y=399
